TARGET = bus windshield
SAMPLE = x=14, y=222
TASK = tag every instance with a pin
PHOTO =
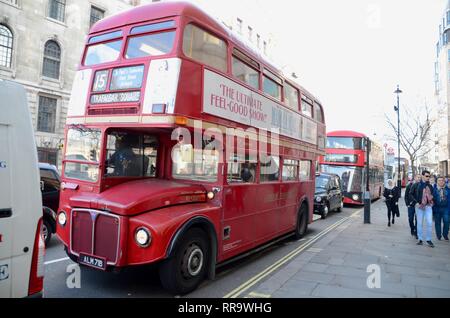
x=351, y=177
x=131, y=154
x=344, y=143
x=103, y=53
x=83, y=144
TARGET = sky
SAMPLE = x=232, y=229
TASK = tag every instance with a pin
x=351, y=54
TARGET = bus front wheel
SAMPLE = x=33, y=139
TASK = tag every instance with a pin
x=302, y=222
x=186, y=269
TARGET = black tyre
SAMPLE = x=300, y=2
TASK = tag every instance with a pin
x=325, y=211
x=186, y=269
x=302, y=222
x=46, y=232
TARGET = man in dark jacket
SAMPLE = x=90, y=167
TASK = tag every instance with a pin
x=411, y=209
x=441, y=208
x=421, y=197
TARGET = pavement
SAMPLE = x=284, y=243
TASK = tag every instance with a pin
x=355, y=260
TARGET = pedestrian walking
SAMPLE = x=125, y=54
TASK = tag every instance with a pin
x=391, y=194
x=411, y=209
x=442, y=209
x=421, y=196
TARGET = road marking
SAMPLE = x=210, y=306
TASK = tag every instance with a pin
x=314, y=250
x=258, y=295
x=57, y=261
x=258, y=277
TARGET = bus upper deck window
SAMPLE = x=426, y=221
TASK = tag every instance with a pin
x=98, y=53
x=205, y=47
x=150, y=45
x=103, y=53
x=307, y=106
x=272, y=85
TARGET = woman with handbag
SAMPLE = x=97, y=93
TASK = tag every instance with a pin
x=391, y=195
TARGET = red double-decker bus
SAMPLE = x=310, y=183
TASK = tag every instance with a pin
x=183, y=147
x=346, y=156
x=404, y=169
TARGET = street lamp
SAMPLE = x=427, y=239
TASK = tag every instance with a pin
x=397, y=109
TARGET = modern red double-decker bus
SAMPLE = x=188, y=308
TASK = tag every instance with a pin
x=183, y=147
x=346, y=156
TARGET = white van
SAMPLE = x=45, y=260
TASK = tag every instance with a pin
x=21, y=245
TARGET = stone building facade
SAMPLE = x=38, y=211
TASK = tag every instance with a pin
x=442, y=92
x=41, y=43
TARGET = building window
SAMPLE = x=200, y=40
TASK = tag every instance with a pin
x=448, y=17
x=265, y=47
x=6, y=46
x=57, y=9
x=96, y=15
x=52, y=60
x=48, y=156
x=258, y=41
x=250, y=34
x=47, y=114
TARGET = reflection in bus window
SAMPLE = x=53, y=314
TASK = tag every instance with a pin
x=351, y=177
x=291, y=96
x=81, y=171
x=241, y=170
x=150, y=45
x=271, y=87
x=205, y=47
x=194, y=164
x=103, y=53
x=269, y=168
x=290, y=170
x=83, y=144
x=305, y=170
x=245, y=73
x=131, y=155
x=344, y=143
x=318, y=112
x=307, y=106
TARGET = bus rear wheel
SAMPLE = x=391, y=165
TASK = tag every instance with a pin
x=186, y=269
x=302, y=222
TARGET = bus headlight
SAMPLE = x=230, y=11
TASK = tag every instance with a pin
x=62, y=218
x=142, y=237
x=318, y=199
x=355, y=197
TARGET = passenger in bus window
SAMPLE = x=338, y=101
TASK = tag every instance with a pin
x=123, y=159
x=247, y=173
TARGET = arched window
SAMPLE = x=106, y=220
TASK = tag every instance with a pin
x=6, y=46
x=52, y=60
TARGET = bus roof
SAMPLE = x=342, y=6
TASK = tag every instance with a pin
x=345, y=133
x=159, y=10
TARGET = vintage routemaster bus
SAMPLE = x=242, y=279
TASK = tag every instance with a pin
x=345, y=156
x=156, y=87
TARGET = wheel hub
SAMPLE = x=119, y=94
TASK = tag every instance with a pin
x=192, y=261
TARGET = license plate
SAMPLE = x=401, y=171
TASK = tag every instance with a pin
x=93, y=261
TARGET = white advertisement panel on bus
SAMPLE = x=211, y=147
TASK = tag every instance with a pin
x=227, y=99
